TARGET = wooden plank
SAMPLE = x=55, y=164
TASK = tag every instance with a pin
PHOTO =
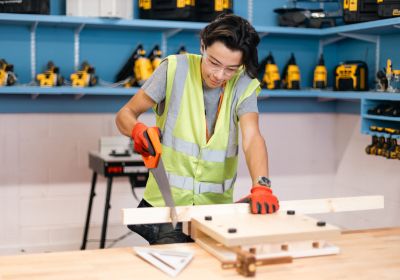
x=248, y=229
x=310, y=206
x=333, y=205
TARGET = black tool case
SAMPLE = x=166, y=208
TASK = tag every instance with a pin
x=25, y=6
x=389, y=8
x=360, y=11
x=166, y=10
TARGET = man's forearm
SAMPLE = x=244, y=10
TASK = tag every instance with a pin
x=257, y=158
x=125, y=121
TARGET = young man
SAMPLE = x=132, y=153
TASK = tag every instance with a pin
x=200, y=101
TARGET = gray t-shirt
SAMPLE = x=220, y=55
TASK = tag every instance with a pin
x=155, y=87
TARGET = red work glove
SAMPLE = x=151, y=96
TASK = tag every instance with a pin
x=261, y=200
x=142, y=143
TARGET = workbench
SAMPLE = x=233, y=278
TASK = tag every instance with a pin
x=370, y=254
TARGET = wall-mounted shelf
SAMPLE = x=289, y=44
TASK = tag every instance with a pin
x=121, y=91
x=331, y=94
x=78, y=44
x=378, y=27
x=97, y=90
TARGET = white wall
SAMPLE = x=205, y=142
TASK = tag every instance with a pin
x=45, y=179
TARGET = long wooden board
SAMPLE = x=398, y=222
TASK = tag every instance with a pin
x=310, y=206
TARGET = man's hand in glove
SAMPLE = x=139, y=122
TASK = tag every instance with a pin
x=262, y=200
x=142, y=143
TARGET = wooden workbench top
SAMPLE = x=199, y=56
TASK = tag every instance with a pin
x=371, y=254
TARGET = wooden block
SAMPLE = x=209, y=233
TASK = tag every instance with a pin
x=248, y=229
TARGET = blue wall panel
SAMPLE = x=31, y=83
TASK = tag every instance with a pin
x=57, y=45
x=15, y=49
x=391, y=52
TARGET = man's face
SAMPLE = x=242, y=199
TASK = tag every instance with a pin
x=219, y=64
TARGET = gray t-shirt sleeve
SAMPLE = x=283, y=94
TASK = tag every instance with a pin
x=249, y=105
x=155, y=86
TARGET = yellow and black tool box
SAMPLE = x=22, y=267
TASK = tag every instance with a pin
x=167, y=9
x=207, y=10
x=360, y=10
x=351, y=75
x=388, y=8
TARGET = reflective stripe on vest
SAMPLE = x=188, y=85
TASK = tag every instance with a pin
x=188, y=183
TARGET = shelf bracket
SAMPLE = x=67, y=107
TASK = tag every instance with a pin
x=362, y=37
x=77, y=45
x=262, y=34
x=328, y=41
x=33, y=50
x=78, y=96
x=165, y=36
x=250, y=11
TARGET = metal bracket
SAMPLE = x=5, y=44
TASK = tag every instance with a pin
x=362, y=37
x=263, y=34
x=33, y=50
x=77, y=45
x=165, y=36
x=328, y=41
x=250, y=11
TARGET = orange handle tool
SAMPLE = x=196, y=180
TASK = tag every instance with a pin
x=154, y=140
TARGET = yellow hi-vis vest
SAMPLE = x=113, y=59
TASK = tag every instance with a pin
x=199, y=172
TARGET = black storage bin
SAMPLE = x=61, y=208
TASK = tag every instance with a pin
x=389, y=8
x=360, y=10
x=207, y=10
x=25, y=6
x=166, y=9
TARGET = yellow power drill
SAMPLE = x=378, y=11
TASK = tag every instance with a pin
x=51, y=77
x=291, y=74
x=84, y=77
x=155, y=57
x=271, y=78
x=320, y=74
x=7, y=76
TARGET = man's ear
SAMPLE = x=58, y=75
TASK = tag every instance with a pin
x=201, y=47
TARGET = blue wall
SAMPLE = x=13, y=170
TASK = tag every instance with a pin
x=108, y=49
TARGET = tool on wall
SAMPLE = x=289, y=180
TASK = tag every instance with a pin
x=386, y=147
x=181, y=50
x=351, y=75
x=137, y=69
x=291, y=74
x=388, y=8
x=393, y=77
x=50, y=77
x=320, y=74
x=7, y=75
x=155, y=57
x=155, y=165
x=270, y=73
x=84, y=77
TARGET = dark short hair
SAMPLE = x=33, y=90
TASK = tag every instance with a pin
x=236, y=33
